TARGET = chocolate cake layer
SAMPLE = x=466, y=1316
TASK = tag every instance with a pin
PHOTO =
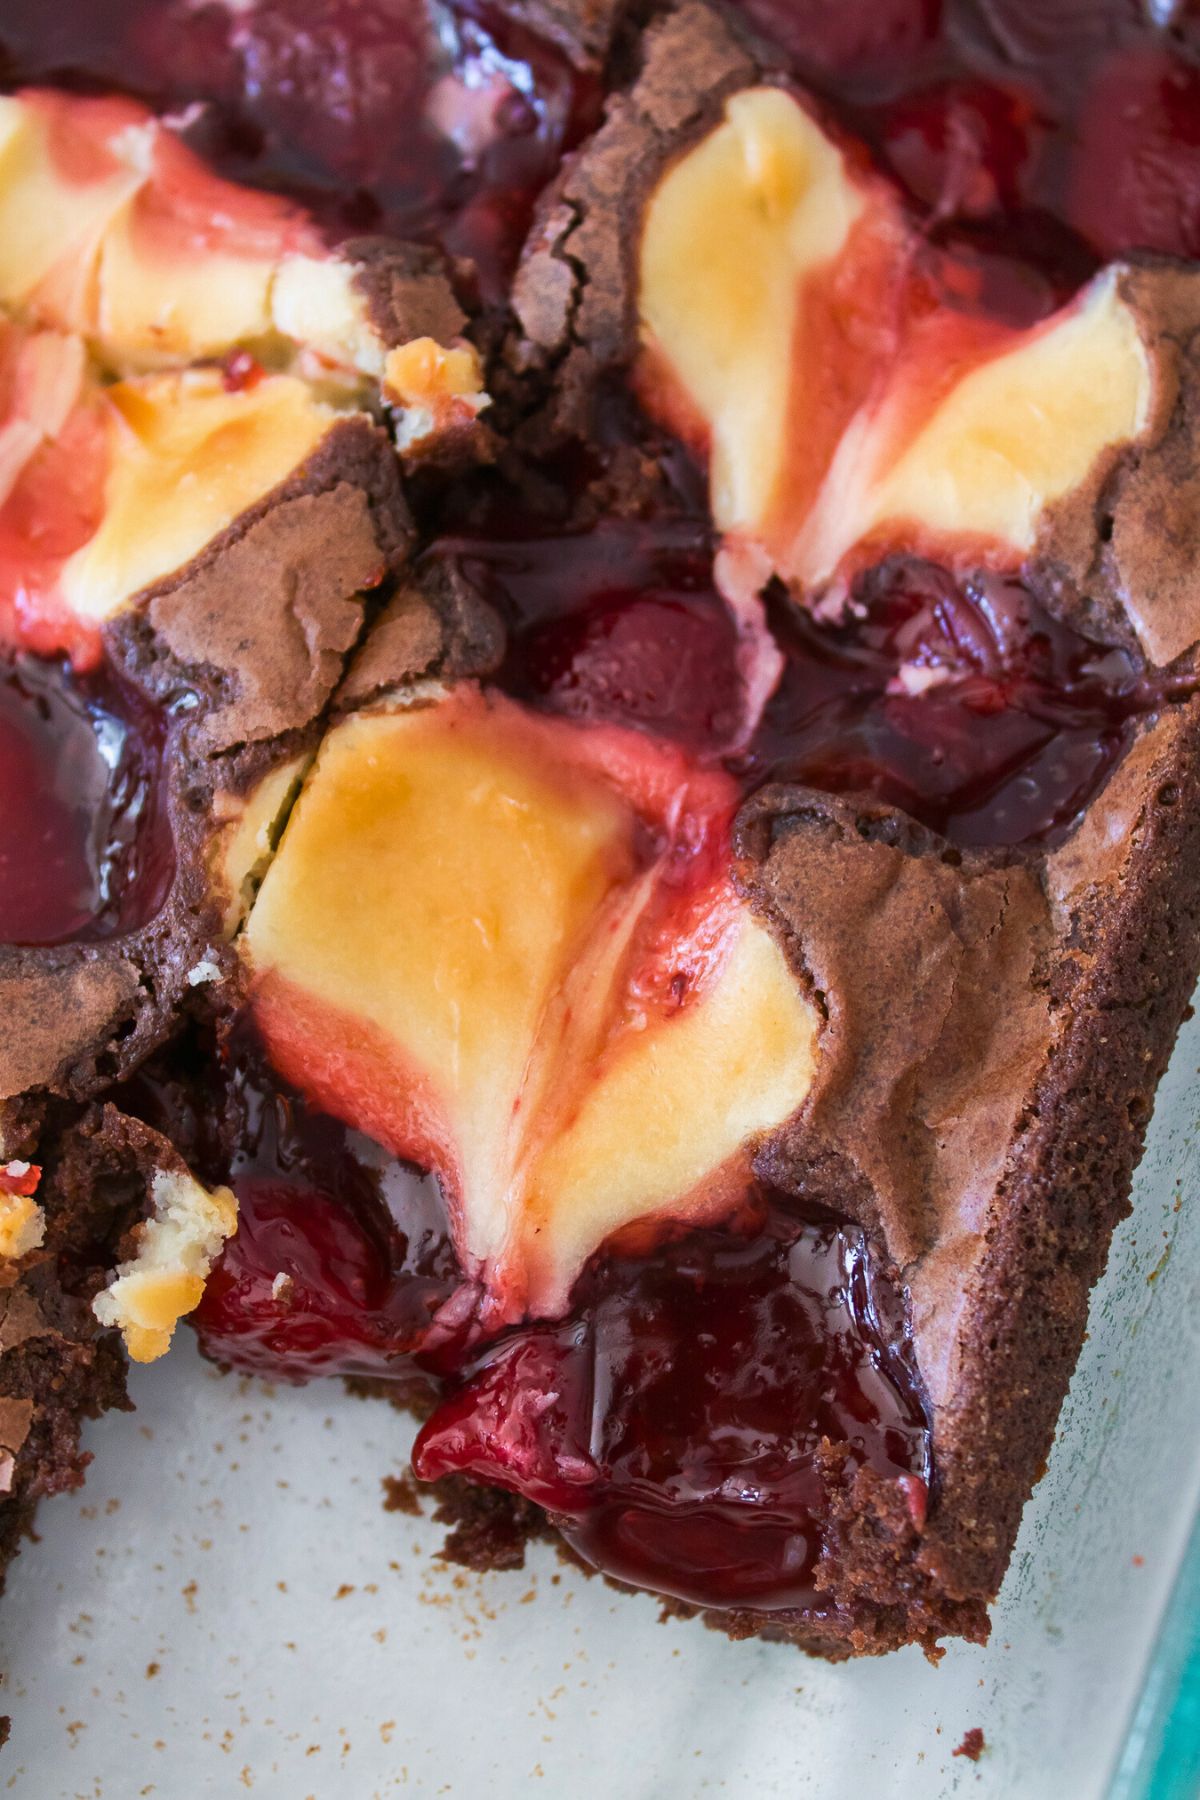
x=57, y=1366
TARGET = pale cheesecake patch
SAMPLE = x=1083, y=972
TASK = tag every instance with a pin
x=185, y=456
x=176, y=1249
x=507, y=947
x=112, y=228
x=248, y=827
x=110, y=488
x=840, y=418
x=436, y=393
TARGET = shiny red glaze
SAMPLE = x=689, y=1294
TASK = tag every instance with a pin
x=360, y=1238
x=1062, y=130
x=349, y=1305
x=1024, y=722
x=964, y=148
x=1135, y=176
x=848, y=37
x=698, y=1475
x=673, y=1421
x=19, y=1179
x=1025, y=719
x=430, y=118
x=86, y=851
x=620, y=623
x=652, y=658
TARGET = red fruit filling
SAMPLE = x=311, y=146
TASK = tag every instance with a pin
x=621, y=624
x=342, y=1256
x=87, y=851
x=1056, y=133
x=19, y=1179
x=847, y=38
x=429, y=118
x=966, y=704
x=686, y=1419
x=1135, y=177
x=703, y=1476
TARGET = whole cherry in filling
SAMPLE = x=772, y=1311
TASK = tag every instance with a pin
x=621, y=623
x=686, y=1420
x=341, y=1257
x=87, y=850
x=960, y=699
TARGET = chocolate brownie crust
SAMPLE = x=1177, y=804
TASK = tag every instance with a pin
x=57, y=1365
x=928, y=968
x=407, y=289
x=1122, y=987
x=575, y=293
x=270, y=666
x=354, y=472
x=65, y=1013
x=436, y=628
x=1113, y=996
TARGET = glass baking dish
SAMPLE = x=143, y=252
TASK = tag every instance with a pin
x=227, y=1607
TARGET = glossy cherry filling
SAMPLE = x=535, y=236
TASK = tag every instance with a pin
x=620, y=623
x=87, y=850
x=686, y=1420
x=341, y=1259
x=428, y=118
x=964, y=702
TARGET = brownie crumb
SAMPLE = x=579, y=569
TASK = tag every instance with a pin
x=972, y=1746
x=400, y=1495
x=489, y=1527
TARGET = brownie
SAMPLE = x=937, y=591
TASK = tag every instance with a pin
x=994, y=1025
x=987, y=1138
x=992, y=1157
x=574, y=293
x=1114, y=555
x=983, y=1127
x=57, y=1366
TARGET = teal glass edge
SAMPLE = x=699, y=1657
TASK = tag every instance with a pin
x=1161, y=1757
